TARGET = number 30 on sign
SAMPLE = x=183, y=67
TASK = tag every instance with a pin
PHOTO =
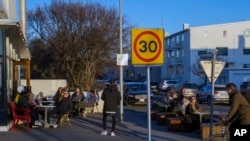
x=147, y=46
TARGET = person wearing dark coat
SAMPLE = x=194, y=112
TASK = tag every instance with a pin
x=239, y=107
x=64, y=106
x=111, y=97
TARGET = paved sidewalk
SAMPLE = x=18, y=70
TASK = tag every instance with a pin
x=133, y=128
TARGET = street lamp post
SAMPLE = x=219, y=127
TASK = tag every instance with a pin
x=121, y=67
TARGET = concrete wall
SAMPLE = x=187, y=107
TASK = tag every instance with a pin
x=46, y=87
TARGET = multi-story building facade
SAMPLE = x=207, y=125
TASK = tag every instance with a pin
x=185, y=49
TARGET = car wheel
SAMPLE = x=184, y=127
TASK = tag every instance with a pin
x=127, y=102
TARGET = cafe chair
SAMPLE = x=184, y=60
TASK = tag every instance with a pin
x=20, y=114
x=65, y=118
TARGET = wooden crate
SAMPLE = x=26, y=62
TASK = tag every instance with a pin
x=162, y=117
x=154, y=114
x=205, y=130
x=175, y=124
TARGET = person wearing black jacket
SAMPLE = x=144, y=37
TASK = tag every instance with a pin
x=111, y=97
x=64, y=106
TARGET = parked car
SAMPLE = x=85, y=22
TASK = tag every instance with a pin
x=135, y=93
x=220, y=94
x=154, y=86
x=244, y=85
x=187, y=89
x=168, y=83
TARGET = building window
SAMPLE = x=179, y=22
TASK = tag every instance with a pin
x=168, y=54
x=246, y=51
x=178, y=53
x=170, y=69
x=177, y=39
x=172, y=53
x=168, y=42
x=182, y=52
x=246, y=65
x=182, y=37
x=172, y=39
x=202, y=52
x=222, y=51
x=224, y=33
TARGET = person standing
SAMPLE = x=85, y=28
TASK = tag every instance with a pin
x=239, y=111
x=111, y=98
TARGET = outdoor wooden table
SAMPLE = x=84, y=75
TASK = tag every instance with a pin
x=46, y=124
x=201, y=114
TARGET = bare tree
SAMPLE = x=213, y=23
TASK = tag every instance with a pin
x=82, y=37
x=197, y=70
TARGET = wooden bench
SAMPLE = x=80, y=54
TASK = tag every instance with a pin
x=205, y=130
x=175, y=124
x=154, y=114
x=162, y=117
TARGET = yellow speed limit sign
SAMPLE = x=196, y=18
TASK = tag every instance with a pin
x=147, y=46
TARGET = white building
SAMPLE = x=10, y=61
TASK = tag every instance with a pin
x=13, y=54
x=184, y=50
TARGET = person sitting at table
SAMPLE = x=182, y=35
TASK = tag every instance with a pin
x=64, y=106
x=167, y=95
x=91, y=101
x=192, y=119
x=58, y=95
x=76, y=98
x=26, y=100
x=184, y=102
x=173, y=102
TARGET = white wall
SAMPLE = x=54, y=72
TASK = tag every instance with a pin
x=46, y=87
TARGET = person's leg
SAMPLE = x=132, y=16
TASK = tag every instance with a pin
x=113, y=122
x=104, y=120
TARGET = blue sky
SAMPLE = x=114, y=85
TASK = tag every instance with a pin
x=172, y=14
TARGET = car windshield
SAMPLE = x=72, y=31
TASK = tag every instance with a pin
x=153, y=83
x=220, y=88
x=137, y=87
x=190, y=86
x=171, y=82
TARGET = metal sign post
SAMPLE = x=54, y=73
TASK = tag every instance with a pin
x=149, y=103
x=147, y=49
x=211, y=95
x=212, y=69
x=121, y=67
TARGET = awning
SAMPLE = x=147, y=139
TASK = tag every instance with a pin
x=13, y=31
